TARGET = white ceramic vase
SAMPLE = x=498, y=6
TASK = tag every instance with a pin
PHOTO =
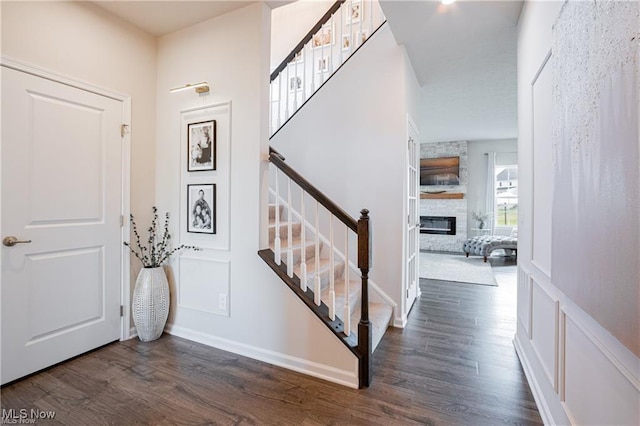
x=150, y=306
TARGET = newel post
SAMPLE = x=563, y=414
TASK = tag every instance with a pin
x=364, y=326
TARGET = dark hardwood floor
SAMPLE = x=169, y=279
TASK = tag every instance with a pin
x=454, y=364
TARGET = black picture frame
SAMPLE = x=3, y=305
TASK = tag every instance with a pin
x=201, y=146
x=201, y=208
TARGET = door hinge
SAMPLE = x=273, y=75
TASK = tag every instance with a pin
x=121, y=221
x=124, y=130
x=121, y=310
x=407, y=293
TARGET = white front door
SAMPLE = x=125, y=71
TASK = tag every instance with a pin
x=61, y=195
x=412, y=288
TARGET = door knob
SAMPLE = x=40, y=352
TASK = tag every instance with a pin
x=12, y=241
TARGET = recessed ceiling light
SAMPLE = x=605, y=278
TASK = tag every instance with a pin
x=447, y=2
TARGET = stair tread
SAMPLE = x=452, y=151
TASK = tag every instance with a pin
x=296, y=242
x=379, y=317
x=284, y=230
x=324, y=271
x=354, y=292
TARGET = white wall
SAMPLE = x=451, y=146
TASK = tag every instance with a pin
x=264, y=319
x=577, y=286
x=477, y=171
x=356, y=129
x=290, y=23
x=83, y=42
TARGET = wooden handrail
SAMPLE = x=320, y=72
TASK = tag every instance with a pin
x=362, y=229
x=278, y=161
x=325, y=18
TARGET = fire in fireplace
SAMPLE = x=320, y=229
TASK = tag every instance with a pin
x=442, y=225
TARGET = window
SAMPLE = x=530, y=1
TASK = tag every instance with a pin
x=506, y=196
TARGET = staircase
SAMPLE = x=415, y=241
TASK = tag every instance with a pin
x=347, y=293
x=318, y=250
x=309, y=262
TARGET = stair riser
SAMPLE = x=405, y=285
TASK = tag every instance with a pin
x=272, y=211
x=284, y=231
x=354, y=301
x=325, y=274
x=310, y=250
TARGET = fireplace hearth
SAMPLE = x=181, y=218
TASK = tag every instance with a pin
x=439, y=225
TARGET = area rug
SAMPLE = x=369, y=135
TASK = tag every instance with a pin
x=456, y=267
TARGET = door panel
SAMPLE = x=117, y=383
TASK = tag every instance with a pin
x=57, y=184
x=56, y=278
x=412, y=289
x=62, y=190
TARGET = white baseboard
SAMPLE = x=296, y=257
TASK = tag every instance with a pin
x=133, y=333
x=310, y=368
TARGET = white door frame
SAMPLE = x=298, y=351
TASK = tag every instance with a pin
x=125, y=279
x=405, y=309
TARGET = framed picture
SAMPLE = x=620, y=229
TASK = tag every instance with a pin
x=353, y=11
x=360, y=37
x=324, y=37
x=201, y=208
x=295, y=84
x=323, y=64
x=346, y=41
x=201, y=146
x=299, y=57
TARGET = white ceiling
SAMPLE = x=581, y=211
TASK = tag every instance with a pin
x=464, y=56
x=163, y=17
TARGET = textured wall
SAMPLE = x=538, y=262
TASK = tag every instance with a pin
x=596, y=224
x=457, y=208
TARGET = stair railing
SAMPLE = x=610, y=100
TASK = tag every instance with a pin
x=319, y=55
x=340, y=326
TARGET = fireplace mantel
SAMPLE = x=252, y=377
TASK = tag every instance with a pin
x=442, y=196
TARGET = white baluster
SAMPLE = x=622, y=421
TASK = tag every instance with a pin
x=352, y=36
x=303, y=255
x=313, y=64
x=295, y=94
x=288, y=89
x=347, y=285
x=289, y=232
x=333, y=36
x=276, y=242
x=361, y=20
x=319, y=65
x=304, y=74
x=332, y=284
x=279, y=99
x=316, y=284
x=370, y=17
x=341, y=40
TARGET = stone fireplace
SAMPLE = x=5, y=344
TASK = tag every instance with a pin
x=438, y=225
x=453, y=210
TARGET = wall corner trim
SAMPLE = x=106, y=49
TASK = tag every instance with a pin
x=538, y=395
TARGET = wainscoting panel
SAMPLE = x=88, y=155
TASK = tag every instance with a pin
x=544, y=331
x=542, y=100
x=596, y=388
x=524, y=300
x=204, y=285
x=579, y=373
